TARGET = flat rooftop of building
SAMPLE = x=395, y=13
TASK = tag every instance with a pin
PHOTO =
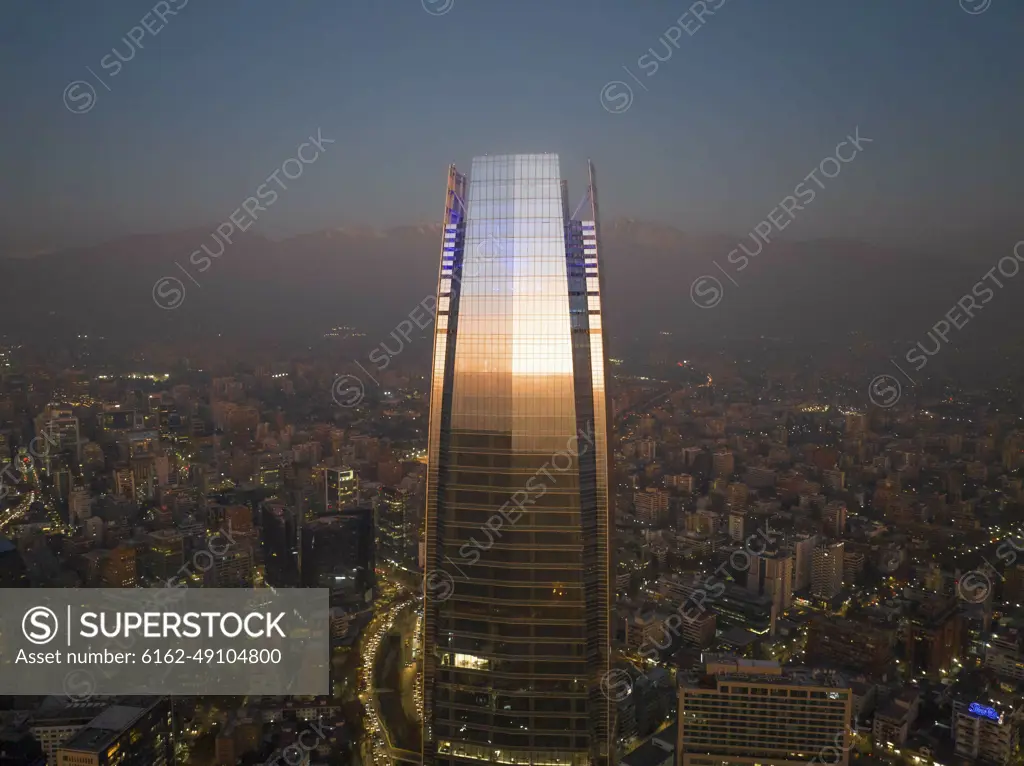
x=104, y=729
x=738, y=637
x=57, y=708
x=767, y=672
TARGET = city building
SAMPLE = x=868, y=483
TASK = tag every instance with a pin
x=803, y=555
x=59, y=433
x=853, y=565
x=279, y=531
x=834, y=518
x=651, y=506
x=892, y=724
x=397, y=527
x=165, y=554
x=723, y=464
x=736, y=496
x=341, y=488
x=118, y=569
x=856, y=423
x=231, y=568
x=646, y=449
x=987, y=721
x=338, y=553
x=758, y=477
x=1003, y=654
x=834, y=479
x=131, y=733
x=755, y=712
x=751, y=612
x=234, y=520
x=682, y=482
x=743, y=524
x=270, y=470
x=933, y=635
x=699, y=629
x=827, y=570
x=851, y=644
x=79, y=505
x=771, y=574
x=58, y=719
x=515, y=653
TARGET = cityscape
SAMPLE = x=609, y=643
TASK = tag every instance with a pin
x=494, y=440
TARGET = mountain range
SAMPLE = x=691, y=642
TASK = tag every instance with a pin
x=371, y=279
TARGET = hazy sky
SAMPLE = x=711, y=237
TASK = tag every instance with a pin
x=745, y=107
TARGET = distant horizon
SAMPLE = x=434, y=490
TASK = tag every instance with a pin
x=930, y=239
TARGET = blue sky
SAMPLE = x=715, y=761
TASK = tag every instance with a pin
x=740, y=113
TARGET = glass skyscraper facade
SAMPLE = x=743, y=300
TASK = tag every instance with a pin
x=516, y=581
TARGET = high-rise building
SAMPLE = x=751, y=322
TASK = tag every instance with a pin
x=1013, y=586
x=987, y=722
x=338, y=553
x=124, y=480
x=280, y=525
x=827, y=570
x=165, y=554
x=698, y=630
x=119, y=568
x=747, y=712
x=723, y=464
x=771, y=574
x=736, y=496
x=933, y=635
x=803, y=553
x=79, y=505
x=341, y=488
x=740, y=525
x=396, y=527
x=834, y=518
x=59, y=432
x=515, y=650
x=651, y=505
x=1005, y=656
x=853, y=566
x=233, y=568
x=270, y=470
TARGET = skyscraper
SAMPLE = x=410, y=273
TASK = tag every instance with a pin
x=518, y=516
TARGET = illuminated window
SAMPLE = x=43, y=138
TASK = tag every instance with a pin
x=471, y=661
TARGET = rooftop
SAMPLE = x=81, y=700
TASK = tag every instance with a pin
x=104, y=729
x=723, y=668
